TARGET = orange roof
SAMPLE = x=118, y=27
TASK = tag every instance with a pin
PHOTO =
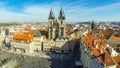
x=107, y=58
x=100, y=59
x=114, y=38
x=91, y=46
x=117, y=59
x=106, y=32
x=95, y=52
x=30, y=32
x=101, y=43
x=24, y=36
x=87, y=40
x=94, y=37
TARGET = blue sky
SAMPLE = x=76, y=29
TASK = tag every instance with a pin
x=75, y=10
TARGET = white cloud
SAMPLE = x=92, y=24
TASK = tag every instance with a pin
x=36, y=9
x=101, y=13
x=73, y=12
x=31, y=13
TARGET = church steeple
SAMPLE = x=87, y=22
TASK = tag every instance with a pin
x=61, y=15
x=56, y=27
x=51, y=15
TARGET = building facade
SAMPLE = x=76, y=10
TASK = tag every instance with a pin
x=21, y=46
x=88, y=60
x=56, y=28
x=58, y=45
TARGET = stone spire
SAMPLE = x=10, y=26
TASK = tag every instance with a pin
x=62, y=15
x=51, y=15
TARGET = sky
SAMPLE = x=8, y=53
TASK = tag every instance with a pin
x=75, y=10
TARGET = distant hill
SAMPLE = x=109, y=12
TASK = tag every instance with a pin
x=8, y=24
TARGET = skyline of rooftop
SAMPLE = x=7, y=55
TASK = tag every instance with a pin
x=75, y=10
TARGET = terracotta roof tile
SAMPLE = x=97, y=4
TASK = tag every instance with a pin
x=117, y=59
x=106, y=32
x=23, y=36
x=101, y=52
x=88, y=39
x=114, y=38
x=95, y=52
x=100, y=59
x=91, y=46
x=103, y=42
x=94, y=37
x=107, y=58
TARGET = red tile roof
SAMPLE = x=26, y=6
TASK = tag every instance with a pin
x=107, y=58
x=95, y=52
x=106, y=32
x=114, y=38
x=117, y=59
x=100, y=59
x=24, y=36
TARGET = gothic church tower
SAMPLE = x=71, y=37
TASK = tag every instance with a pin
x=53, y=25
x=61, y=23
x=56, y=28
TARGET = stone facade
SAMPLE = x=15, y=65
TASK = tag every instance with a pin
x=56, y=28
x=22, y=46
x=47, y=45
x=88, y=60
x=37, y=44
x=58, y=45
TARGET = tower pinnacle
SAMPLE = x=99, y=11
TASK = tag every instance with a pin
x=61, y=15
x=51, y=15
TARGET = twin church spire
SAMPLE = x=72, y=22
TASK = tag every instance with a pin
x=56, y=28
x=61, y=15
